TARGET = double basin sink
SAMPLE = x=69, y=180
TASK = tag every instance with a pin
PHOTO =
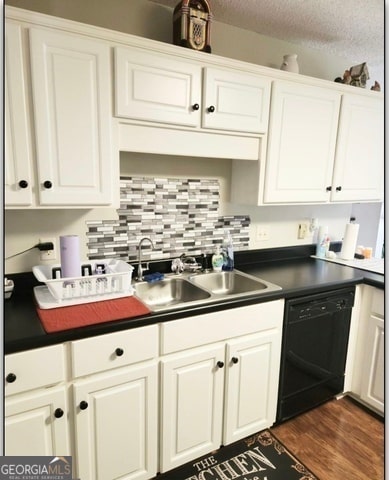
x=194, y=289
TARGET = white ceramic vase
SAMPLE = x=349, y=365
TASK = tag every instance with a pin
x=290, y=63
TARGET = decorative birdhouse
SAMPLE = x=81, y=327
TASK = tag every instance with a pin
x=359, y=75
x=192, y=25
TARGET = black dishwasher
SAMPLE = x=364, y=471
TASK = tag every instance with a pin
x=314, y=350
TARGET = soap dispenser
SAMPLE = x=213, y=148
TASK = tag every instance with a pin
x=217, y=260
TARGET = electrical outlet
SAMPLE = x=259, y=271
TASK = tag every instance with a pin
x=303, y=230
x=48, y=254
x=262, y=233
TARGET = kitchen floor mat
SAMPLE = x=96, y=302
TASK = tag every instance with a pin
x=260, y=457
x=75, y=316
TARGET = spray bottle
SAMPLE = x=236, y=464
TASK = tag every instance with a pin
x=228, y=252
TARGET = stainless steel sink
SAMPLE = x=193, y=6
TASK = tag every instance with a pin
x=189, y=290
x=169, y=293
x=231, y=283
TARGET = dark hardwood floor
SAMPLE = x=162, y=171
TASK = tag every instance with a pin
x=338, y=440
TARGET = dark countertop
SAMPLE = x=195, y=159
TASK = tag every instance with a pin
x=295, y=271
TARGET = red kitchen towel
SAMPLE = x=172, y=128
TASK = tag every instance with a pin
x=74, y=316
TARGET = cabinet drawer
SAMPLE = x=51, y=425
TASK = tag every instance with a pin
x=378, y=302
x=213, y=327
x=34, y=369
x=113, y=350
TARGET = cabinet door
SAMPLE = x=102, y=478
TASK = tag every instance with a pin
x=116, y=424
x=359, y=165
x=18, y=154
x=301, y=144
x=37, y=423
x=192, y=405
x=72, y=97
x=235, y=101
x=156, y=88
x=373, y=384
x=251, y=391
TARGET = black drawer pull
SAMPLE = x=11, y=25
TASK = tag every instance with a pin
x=83, y=405
x=235, y=360
x=119, y=352
x=47, y=184
x=220, y=364
x=195, y=107
x=23, y=184
x=339, y=189
x=328, y=189
x=211, y=109
x=11, y=377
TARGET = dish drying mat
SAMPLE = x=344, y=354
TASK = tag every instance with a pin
x=375, y=265
x=75, y=316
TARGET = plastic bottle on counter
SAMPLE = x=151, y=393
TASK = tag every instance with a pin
x=228, y=251
x=323, y=242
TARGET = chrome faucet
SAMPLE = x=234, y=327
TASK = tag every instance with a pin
x=140, y=269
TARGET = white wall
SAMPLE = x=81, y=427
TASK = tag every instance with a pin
x=24, y=228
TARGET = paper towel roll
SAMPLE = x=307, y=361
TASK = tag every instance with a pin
x=70, y=256
x=349, y=241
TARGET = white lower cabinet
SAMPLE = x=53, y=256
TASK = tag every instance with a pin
x=115, y=404
x=36, y=423
x=218, y=393
x=368, y=383
x=36, y=412
x=373, y=382
x=192, y=405
x=116, y=424
x=252, y=368
x=133, y=403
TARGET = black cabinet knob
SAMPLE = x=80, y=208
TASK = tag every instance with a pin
x=11, y=377
x=47, y=184
x=119, y=352
x=328, y=189
x=83, y=405
x=220, y=364
x=234, y=359
x=58, y=413
x=196, y=106
x=23, y=184
x=339, y=189
x=211, y=109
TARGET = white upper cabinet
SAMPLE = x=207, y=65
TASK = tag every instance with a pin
x=164, y=89
x=301, y=144
x=156, y=88
x=235, y=101
x=324, y=145
x=71, y=97
x=359, y=163
x=19, y=181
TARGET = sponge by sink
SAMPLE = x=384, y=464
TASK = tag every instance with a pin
x=153, y=277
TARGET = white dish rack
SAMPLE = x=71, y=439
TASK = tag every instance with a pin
x=100, y=280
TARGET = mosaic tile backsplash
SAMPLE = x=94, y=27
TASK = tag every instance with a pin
x=178, y=215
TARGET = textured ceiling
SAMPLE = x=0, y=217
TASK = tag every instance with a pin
x=352, y=29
